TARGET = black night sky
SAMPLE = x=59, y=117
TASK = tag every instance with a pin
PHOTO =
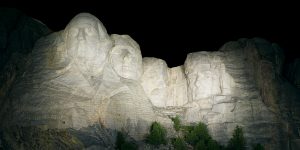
x=170, y=33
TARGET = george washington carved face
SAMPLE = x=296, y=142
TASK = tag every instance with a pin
x=87, y=42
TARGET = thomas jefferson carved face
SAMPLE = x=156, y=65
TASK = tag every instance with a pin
x=126, y=57
x=88, y=42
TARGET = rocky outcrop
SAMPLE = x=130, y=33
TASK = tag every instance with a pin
x=224, y=95
x=290, y=112
x=266, y=62
x=18, y=35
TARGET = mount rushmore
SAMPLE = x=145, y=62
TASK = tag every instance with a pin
x=82, y=76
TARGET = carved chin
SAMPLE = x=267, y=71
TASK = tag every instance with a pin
x=128, y=72
x=88, y=57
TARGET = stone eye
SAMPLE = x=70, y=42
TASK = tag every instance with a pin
x=89, y=31
x=73, y=32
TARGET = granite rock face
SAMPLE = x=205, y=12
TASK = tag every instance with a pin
x=266, y=62
x=18, y=33
x=155, y=80
x=223, y=95
x=293, y=72
x=82, y=76
x=165, y=87
x=206, y=75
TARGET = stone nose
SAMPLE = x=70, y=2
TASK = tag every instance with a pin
x=81, y=35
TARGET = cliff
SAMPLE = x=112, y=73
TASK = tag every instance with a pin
x=91, y=84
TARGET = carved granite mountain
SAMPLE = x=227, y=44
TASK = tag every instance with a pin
x=82, y=76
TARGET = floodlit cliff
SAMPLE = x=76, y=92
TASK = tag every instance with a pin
x=88, y=82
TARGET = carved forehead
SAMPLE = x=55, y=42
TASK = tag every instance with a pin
x=123, y=50
x=86, y=20
x=124, y=44
x=83, y=19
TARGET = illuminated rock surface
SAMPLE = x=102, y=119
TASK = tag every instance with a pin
x=89, y=82
x=81, y=76
x=224, y=94
x=165, y=87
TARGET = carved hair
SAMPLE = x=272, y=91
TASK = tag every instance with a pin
x=100, y=27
